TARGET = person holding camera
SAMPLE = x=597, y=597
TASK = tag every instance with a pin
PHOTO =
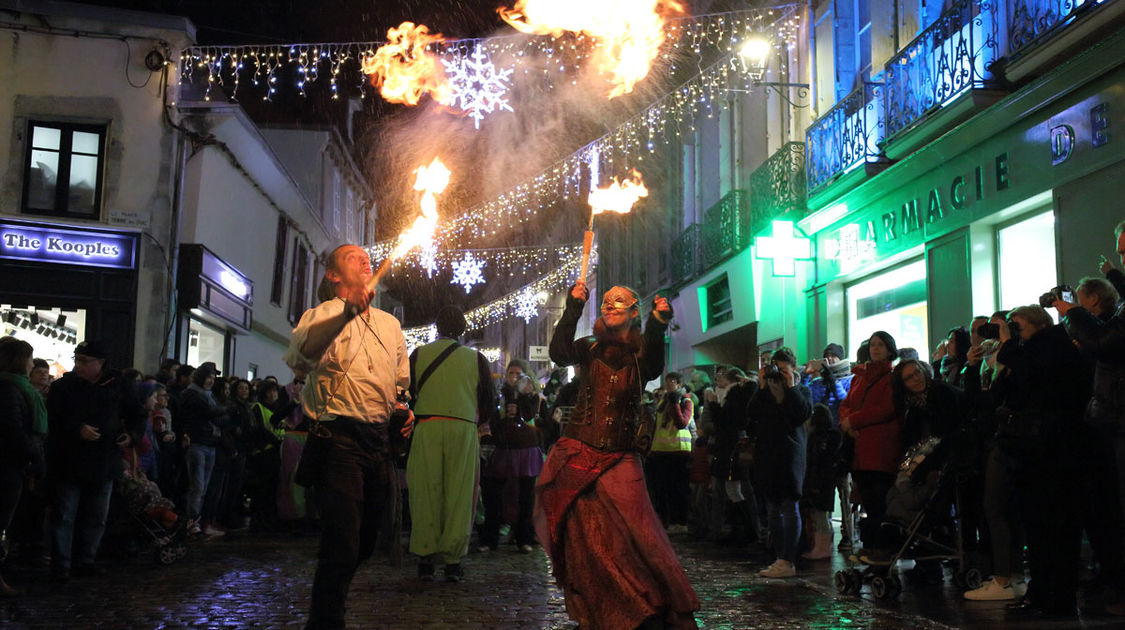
x=517, y=456
x=829, y=385
x=868, y=416
x=778, y=412
x=730, y=448
x=1098, y=327
x=1039, y=439
x=609, y=552
x=666, y=467
x=951, y=355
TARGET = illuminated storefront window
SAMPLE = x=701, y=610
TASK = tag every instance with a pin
x=53, y=333
x=894, y=301
x=206, y=344
x=1025, y=254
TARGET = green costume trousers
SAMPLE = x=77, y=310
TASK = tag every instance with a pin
x=441, y=476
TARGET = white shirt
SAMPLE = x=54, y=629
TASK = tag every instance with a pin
x=358, y=374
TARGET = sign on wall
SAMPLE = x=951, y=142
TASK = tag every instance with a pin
x=70, y=246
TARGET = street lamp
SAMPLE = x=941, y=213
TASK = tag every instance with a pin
x=754, y=54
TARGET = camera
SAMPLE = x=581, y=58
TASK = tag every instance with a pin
x=1062, y=292
x=770, y=370
x=989, y=331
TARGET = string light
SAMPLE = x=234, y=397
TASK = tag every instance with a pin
x=725, y=31
x=506, y=262
x=503, y=308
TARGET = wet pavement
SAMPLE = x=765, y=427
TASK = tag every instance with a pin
x=256, y=581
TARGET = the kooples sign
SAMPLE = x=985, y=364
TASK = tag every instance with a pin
x=939, y=201
x=75, y=247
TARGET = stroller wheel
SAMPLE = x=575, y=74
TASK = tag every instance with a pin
x=973, y=579
x=959, y=579
x=879, y=587
x=166, y=555
x=855, y=581
x=842, y=583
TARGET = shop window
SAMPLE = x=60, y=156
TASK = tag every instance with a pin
x=893, y=301
x=62, y=173
x=52, y=332
x=206, y=344
x=1025, y=253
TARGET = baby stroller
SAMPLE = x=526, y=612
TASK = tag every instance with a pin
x=164, y=531
x=919, y=525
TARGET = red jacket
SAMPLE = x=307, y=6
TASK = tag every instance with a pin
x=870, y=409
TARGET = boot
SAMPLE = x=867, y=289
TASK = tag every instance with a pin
x=822, y=547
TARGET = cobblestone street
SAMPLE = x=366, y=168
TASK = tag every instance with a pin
x=263, y=582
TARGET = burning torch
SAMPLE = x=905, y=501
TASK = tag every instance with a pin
x=431, y=180
x=619, y=197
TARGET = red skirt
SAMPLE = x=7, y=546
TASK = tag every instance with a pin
x=609, y=552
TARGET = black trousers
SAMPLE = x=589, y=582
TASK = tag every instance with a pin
x=492, y=495
x=873, y=487
x=355, y=493
x=668, y=485
x=1101, y=509
x=1049, y=501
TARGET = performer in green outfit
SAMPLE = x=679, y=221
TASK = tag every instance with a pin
x=451, y=386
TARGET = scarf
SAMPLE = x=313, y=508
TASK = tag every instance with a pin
x=840, y=369
x=34, y=400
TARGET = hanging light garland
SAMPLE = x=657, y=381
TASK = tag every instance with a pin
x=509, y=262
x=507, y=306
x=224, y=67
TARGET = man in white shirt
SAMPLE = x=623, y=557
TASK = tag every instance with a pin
x=356, y=362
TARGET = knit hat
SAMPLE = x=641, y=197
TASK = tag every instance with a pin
x=835, y=350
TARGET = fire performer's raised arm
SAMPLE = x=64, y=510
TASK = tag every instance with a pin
x=565, y=349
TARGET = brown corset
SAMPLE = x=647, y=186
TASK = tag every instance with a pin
x=608, y=408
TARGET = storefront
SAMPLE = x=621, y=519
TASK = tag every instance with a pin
x=1022, y=197
x=216, y=304
x=60, y=285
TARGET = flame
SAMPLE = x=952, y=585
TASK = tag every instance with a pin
x=619, y=196
x=431, y=180
x=404, y=70
x=629, y=33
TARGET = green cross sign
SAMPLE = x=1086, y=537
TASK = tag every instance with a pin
x=784, y=248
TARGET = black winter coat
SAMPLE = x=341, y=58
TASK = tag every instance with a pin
x=1104, y=342
x=17, y=447
x=730, y=425
x=202, y=417
x=780, y=441
x=1046, y=383
x=110, y=405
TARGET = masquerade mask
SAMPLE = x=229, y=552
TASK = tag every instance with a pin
x=618, y=298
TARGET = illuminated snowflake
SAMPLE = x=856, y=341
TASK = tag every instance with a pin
x=466, y=272
x=527, y=305
x=427, y=258
x=478, y=87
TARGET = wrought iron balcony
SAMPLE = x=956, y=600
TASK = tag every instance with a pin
x=777, y=187
x=724, y=228
x=686, y=254
x=950, y=57
x=845, y=137
x=1030, y=22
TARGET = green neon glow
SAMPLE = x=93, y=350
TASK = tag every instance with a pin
x=701, y=295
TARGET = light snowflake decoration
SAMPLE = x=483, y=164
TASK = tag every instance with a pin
x=527, y=305
x=427, y=258
x=478, y=87
x=466, y=272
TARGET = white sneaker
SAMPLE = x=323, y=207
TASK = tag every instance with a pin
x=213, y=532
x=779, y=569
x=991, y=591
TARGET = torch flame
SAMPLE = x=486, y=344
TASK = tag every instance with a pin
x=404, y=70
x=619, y=196
x=629, y=33
x=431, y=181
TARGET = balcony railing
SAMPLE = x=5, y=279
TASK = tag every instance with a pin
x=686, y=254
x=1032, y=21
x=845, y=137
x=950, y=57
x=777, y=186
x=724, y=228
